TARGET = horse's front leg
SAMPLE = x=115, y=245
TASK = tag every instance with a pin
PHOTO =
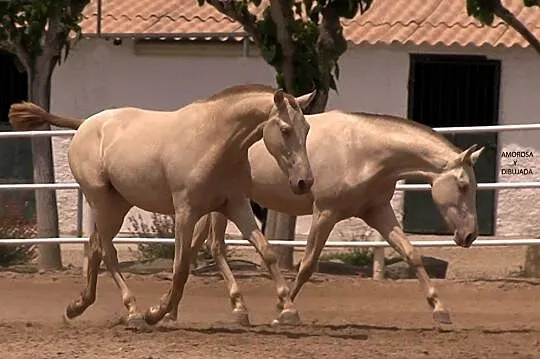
x=239, y=211
x=383, y=219
x=184, y=224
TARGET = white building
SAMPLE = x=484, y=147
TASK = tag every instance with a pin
x=425, y=59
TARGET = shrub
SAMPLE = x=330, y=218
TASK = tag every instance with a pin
x=14, y=224
x=162, y=226
x=358, y=257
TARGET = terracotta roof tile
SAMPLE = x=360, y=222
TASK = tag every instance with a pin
x=400, y=21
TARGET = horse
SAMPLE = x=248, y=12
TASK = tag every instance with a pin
x=185, y=163
x=356, y=159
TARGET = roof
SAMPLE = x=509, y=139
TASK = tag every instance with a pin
x=417, y=22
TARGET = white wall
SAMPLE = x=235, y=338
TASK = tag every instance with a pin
x=99, y=75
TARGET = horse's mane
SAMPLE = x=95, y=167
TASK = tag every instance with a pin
x=400, y=121
x=241, y=90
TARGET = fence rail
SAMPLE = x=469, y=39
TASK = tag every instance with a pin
x=377, y=245
x=242, y=242
x=399, y=187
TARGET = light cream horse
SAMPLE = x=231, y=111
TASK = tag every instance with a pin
x=188, y=163
x=357, y=160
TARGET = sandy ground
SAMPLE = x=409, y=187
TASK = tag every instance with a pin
x=343, y=317
x=495, y=315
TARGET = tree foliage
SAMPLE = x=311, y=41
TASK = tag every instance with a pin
x=302, y=40
x=33, y=28
x=486, y=10
x=37, y=32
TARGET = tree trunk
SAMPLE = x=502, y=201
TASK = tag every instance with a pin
x=508, y=17
x=532, y=262
x=39, y=89
x=280, y=226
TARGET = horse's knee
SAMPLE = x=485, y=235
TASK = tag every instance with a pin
x=268, y=255
x=415, y=259
x=216, y=248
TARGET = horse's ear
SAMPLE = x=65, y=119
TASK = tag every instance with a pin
x=474, y=156
x=305, y=101
x=279, y=98
x=465, y=156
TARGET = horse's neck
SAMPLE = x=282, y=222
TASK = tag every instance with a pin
x=421, y=158
x=244, y=121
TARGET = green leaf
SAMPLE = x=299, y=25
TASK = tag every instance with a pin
x=471, y=7
x=486, y=17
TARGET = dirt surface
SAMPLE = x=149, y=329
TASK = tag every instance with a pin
x=343, y=317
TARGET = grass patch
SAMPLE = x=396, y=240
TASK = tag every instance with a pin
x=358, y=257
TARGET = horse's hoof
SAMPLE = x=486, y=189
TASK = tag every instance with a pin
x=136, y=322
x=65, y=319
x=442, y=316
x=151, y=316
x=287, y=317
x=167, y=321
x=241, y=316
x=72, y=311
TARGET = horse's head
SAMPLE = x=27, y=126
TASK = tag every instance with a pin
x=285, y=136
x=454, y=193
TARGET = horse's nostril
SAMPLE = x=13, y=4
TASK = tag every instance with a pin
x=469, y=239
x=301, y=184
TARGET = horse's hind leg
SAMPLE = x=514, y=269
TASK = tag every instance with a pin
x=88, y=294
x=112, y=224
x=383, y=219
x=108, y=212
x=219, y=226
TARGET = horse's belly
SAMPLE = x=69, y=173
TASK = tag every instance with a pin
x=280, y=198
x=138, y=177
x=150, y=193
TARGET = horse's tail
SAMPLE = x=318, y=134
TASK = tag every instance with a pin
x=26, y=116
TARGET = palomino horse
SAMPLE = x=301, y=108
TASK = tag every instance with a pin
x=356, y=160
x=188, y=162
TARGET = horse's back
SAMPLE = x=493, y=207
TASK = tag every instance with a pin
x=125, y=148
x=344, y=152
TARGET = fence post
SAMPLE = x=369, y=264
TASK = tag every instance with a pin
x=88, y=228
x=378, y=260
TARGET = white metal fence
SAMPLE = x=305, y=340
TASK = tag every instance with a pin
x=366, y=244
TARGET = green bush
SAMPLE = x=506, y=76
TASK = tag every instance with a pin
x=162, y=226
x=358, y=257
x=14, y=224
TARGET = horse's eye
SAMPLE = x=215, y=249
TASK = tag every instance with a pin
x=285, y=129
x=463, y=186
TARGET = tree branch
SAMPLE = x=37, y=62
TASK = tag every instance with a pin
x=282, y=15
x=242, y=16
x=516, y=24
x=17, y=50
x=7, y=46
x=53, y=36
x=330, y=46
